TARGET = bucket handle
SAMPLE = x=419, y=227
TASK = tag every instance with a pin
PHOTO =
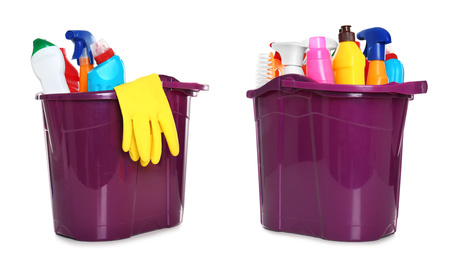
x=407, y=88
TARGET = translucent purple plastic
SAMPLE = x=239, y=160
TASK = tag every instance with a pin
x=98, y=192
x=330, y=156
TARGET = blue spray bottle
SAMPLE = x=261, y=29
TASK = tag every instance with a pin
x=83, y=54
x=110, y=70
x=376, y=39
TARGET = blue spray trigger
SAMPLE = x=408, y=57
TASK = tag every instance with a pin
x=82, y=40
x=376, y=39
x=79, y=46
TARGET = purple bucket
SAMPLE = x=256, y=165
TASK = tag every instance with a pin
x=98, y=192
x=330, y=156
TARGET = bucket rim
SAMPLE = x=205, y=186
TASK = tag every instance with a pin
x=287, y=83
x=168, y=82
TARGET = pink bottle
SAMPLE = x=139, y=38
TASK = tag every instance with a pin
x=318, y=61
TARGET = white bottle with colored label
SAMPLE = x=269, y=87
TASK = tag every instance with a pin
x=48, y=64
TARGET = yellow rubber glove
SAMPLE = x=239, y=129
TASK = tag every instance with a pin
x=146, y=114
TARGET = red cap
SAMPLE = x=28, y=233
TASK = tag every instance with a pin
x=391, y=56
x=104, y=56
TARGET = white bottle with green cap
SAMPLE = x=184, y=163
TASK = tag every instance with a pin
x=48, y=64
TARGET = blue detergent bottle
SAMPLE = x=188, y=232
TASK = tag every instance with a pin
x=110, y=70
x=394, y=68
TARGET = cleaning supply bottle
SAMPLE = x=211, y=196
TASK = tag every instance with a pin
x=110, y=71
x=304, y=64
x=71, y=74
x=83, y=54
x=279, y=67
x=291, y=56
x=318, y=61
x=394, y=68
x=331, y=46
x=348, y=61
x=366, y=68
x=48, y=64
x=376, y=39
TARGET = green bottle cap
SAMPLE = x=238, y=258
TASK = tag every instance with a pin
x=40, y=44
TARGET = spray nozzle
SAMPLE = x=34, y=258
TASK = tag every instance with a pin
x=291, y=56
x=82, y=41
x=376, y=39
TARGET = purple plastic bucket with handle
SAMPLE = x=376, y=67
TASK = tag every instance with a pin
x=330, y=155
x=98, y=192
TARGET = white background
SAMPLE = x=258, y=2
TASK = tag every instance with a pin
x=216, y=43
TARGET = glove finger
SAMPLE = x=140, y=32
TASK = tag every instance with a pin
x=146, y=161
x=134, y=154
x=170, y=132
x=156, y=144
x=141, y=129
x=127, y=132
x=127, y=124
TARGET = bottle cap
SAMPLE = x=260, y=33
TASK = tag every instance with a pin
x=39, y=44
x=317, y=42
x=345, y=34
x=391, y=56
x=389, y=53
x=101, y=51
x=317, y=49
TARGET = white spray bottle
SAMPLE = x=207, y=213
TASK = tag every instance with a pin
x=291, y=56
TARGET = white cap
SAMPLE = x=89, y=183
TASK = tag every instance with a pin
x=99, y=47
x=331, y=44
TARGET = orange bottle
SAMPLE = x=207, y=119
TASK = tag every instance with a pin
x=377, y=73
x=85, y=67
